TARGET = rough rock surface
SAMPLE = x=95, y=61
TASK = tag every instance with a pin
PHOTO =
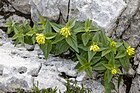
x=16, y=9
x=103, y=13
x=135, y=86
x=21, y=5
x=49, y=8
x=20, y=68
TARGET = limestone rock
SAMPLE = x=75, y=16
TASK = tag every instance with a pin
x=21, y=5
x=20, y=68
x=95, y=86
x=137, y=57
x=7, y=10
x=138, y=69
x=128, y=21
x=48, y=8
x=103, y=13
x=135, y=86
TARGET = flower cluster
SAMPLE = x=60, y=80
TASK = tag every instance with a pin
x=113, y=44
x=94, y=48
x=130, y=51
x=114, y=71
x=40, y=39
x=65, y=32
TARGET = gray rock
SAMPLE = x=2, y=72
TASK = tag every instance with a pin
x=29, y=47
x=5, y=7
x=21, y=5
x=80, y=76
x=34, y=72
x=95, y=86
x=14, y=82
x=137, y=56
x=134, y=40
x=22, y=70
x=1, y=70
x=16, y=18
x=49, y=8
x=3, y=36
x=135, y=86
x=103, y=13
x=138, y=69
x=48, y=77
x=131, y=72
x=127, y=19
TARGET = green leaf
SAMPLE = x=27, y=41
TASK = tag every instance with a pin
x=72, y=41
x=28, y=40
x=77, y=65
x=81, y=46
x=125, y=63
x=120, y=54
x=126, y=44
x=96, y=37
x=89, y=72
x=30, y=33
x=58, y=38
x=107, y=56
x=95, y=59
x=118, y=44
x=81, y=59
x=105, y=52
x=112, y=59
x=114, y=50
x=85, y=38
x=84, y=67
x=99, y=66
x=48, y=27
x=15, y=36
x=107, y=85
x=119, y=80
x=78, y=30
x=21, y=40
x=109, y=75
x=35, y=28
x=56, y=27
x=94, y=28
x=108, y=66
x=103, y=38
x=61, y=47
x=33, y=40
x=87, y=25
x=10, y=30
x=15, y=29
x=50, y=35
x=71, y=23
x=78, y=27
x=90, y=55
x=46, y=48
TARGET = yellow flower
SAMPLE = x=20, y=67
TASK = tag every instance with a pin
x=94, y=48
x=65, y=32
x=40, y=38
x=113, y=44
x=130, y=51
x=114, y=71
